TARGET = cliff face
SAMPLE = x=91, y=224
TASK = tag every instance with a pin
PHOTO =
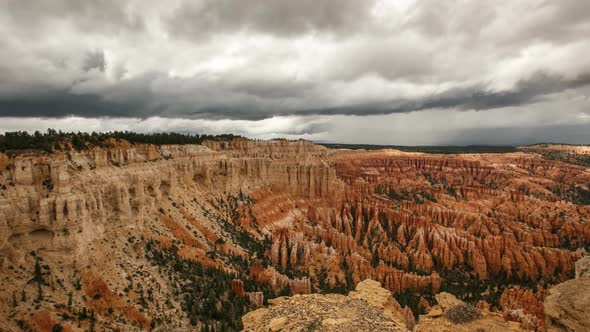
x=52, y=198
x=281, y=218
x=567, y=304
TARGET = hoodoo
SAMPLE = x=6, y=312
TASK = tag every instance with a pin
x=138, y=236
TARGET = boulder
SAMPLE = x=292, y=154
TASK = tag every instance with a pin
x=583, y=267
x=567, y=306
x=446, y=300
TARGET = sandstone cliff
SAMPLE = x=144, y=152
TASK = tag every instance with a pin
x=567, y=305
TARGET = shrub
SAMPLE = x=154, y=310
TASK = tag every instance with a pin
x=462, y=313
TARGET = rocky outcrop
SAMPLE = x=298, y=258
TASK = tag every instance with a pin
x=567, y=305
x=436, y=319
x=583, y=267
x=368, y=308
x=275, y=149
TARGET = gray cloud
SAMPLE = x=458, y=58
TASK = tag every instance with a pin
x=575, y=134
x=94, y=60
x=477, y=97
x=252, y=61
x=156, y=95
x=525, y=92
x=278, y=17
x=511, y=24
x=38, y=18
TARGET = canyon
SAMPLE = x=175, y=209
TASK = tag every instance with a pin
x=156, y=237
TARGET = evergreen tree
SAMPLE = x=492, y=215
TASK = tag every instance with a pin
x=37, y=273
x=39, y=292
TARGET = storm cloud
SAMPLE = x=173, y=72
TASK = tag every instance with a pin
x=305, y=64
x=200, y=19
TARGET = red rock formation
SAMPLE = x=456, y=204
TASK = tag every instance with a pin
x=482, y=305
x=319, y=219
x=300, y=286
x=101, y=299
x=256, y=298
x=409, y=318
x=524, y=306
x=423, y=306
x=237, y=286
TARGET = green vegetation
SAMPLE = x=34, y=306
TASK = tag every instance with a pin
x=419, y=196
x=204, y=293
x=462, y=313
x=465, y=285
x=443, y=149
x=54, y=140
x=38, y=278
x=411, y=300
x=569, y=158
x=315, y=325
x=575, y=194
x=582, y=196
x=565, y=156
x=232, y=228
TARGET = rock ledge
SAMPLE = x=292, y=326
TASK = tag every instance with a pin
x=368, y=308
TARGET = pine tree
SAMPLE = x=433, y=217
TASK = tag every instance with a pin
x=39, y=292
x=37, y=273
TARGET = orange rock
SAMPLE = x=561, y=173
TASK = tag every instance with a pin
x=524, y=306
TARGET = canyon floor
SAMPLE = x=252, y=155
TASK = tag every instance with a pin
x=193, y=237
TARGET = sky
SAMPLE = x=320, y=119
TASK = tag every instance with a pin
x=404, y=72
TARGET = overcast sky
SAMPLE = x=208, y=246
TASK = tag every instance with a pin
x=354, y=71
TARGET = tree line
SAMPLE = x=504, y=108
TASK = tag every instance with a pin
x=53, y=140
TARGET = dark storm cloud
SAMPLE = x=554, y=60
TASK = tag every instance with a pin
x=477, y=97
x=138, y=98
x=277, y=17
x=524, y=92
x=62, y=105
x=151, y=94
